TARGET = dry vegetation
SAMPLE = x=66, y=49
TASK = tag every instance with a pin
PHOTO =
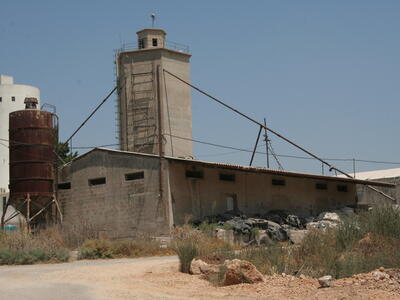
x=359, y=244
x=55, y=243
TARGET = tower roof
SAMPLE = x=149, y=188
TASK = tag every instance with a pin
x=152, y=30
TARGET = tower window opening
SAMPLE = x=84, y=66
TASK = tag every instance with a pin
x=1, y=99
x=155, y=43
x=141, y=43
x=13, y=98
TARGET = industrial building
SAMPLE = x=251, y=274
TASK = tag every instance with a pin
x=12, y=97
x=368, y=197
x=153, y=182
x=121, y=192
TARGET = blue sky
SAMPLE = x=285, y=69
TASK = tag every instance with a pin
x=324, y=73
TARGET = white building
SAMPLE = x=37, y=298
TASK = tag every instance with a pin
x=12, y=98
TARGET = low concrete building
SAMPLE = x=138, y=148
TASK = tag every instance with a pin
x=122, y=193
x=368, y=196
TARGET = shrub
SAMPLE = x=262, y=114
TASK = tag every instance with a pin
x=189, y=243
x=186, y=250
x=382, y=220
x=348, y=232
x=93, y=249
x=24, y=248
x=140, y=246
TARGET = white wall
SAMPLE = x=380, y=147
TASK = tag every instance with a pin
x=8, y=90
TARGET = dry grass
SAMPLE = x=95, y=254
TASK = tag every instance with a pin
x=25, y=248
x=138, y=247
x=190, y=243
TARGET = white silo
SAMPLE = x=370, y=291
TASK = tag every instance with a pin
x=12, y=98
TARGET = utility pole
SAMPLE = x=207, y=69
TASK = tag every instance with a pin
x=266, y=141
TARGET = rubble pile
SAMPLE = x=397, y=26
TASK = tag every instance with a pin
x=276, y=225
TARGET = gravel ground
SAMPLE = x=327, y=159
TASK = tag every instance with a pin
x=158, y=278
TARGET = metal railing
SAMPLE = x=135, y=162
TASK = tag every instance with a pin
x=168, y=45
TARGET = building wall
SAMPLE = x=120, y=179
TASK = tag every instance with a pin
x=119, y=208
x=254, y=193
x=138, y=101
x=367, y=196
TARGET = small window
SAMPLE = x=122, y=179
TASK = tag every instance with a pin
x=141, y=44
x=227, y=177
x=64, y=186
x=1, y=99
x=155, y=42
x=280, y=182
x=134, y=176
x=321, y=186
x=13, y=98
x=194, y=174
x=97, y=181
x=342, y=188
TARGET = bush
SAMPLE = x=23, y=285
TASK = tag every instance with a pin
x=189, y=243
x=382, y=220
x=24, y=248
x=140, y=246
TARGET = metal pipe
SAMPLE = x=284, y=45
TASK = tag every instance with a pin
x=255, y=146
x=93, y=112
x=331, y=167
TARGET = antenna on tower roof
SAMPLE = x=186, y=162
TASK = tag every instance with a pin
x=153, y=19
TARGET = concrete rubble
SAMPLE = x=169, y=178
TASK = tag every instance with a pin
x=275, y=226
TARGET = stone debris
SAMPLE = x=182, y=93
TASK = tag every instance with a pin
x=241, y=271
x=199, y=267
x=296, y=236
x=378, y=275
x=328, y=216
x=276, y=225
x=325, y=281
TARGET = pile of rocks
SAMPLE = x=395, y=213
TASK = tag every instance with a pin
x=233, y=271
x=276, y=225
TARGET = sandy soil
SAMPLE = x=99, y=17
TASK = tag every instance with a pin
x=158, y=278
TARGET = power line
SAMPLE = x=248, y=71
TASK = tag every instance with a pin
x=233, y=152
x=278, y=155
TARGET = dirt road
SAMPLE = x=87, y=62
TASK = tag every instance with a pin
x=158, y=278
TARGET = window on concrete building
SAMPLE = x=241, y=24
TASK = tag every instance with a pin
x=134, y=176
x=97, y=181
x=155, y=42
x=1, y=99
x=142, y=44
x=342, y=188
x=321, y=186
x=64, y=186
x=280, y=182
x=194, y=174
x=227, y=177
x=13, y=98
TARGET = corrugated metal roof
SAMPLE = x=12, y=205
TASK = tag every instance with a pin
x=248, y=168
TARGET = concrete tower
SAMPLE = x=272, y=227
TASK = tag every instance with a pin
x=150, y=101
x=12, y=98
